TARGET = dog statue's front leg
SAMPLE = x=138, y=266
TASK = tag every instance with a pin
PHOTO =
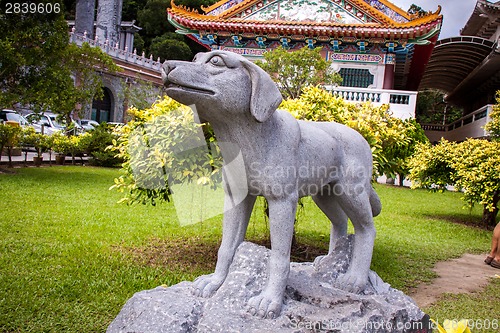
x=234, y=227
x=281, y=219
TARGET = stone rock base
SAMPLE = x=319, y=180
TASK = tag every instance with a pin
x=311, y=304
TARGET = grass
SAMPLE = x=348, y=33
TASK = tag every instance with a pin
x=70, y=256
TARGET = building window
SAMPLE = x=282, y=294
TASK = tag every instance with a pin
x=356, y=77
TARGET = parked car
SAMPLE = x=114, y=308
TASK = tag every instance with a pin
x=49, y=124
x=11, y=115
x=88, y=124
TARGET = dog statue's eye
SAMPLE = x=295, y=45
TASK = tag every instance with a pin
x=217, y=61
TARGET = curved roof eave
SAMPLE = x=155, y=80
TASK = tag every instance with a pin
x=465, y=51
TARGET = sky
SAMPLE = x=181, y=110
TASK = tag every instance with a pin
x=455, y=12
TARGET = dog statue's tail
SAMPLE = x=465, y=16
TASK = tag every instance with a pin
x=375, y=202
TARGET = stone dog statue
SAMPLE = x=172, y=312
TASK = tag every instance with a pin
x=285, y=159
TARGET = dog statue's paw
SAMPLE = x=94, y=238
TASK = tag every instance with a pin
x=265, y=306
x=321, y=260
x=206, y=285
x=350, y=282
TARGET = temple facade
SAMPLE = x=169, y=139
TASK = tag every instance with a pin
x=379, y=49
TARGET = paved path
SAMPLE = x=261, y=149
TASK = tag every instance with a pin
x=457, y=276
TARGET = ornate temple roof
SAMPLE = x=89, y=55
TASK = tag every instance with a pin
x=348, y=27
x=484, y=20
x=318, y=18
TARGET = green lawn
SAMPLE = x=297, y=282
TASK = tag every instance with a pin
x=70, y=256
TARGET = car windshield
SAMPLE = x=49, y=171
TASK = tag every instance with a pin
x=11, y=116
x=55, y=122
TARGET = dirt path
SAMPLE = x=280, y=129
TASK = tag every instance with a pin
x=457, y=276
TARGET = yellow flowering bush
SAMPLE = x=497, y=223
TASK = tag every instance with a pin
x=392, y=139
x=162, y=146
x=472, y=166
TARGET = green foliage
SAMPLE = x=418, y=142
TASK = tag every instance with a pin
x=61, y=143
x=392, y=140
x=32, y=47
x=153, y=17
x=170, y=46
x=294, y=71
x=472, y=166
x=97, y=144
x=493, y=127
x=39, y=141
x=38, y=65
x=430, y=166
x=158, y=36
x=10, y=137
x=157, y=146
x=477, y=165
x=432, y=109
x=85, y=63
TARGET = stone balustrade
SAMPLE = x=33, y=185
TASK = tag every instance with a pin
x=115, y=52
x=469, y=126
x=401, y=103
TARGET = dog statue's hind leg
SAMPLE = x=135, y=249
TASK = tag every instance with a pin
x=358, y=208
x=330, y=206
x=235, y=225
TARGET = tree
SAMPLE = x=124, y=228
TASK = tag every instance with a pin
x=472, y=166
x=153, y=18
x=432, y=108
x=32, y=47
x=158, y=36
x=493, y=127
x=10, y=136
x=170, y=46
x=294, y=71
x=86, y=64
x=41, y=69
x=401, y=147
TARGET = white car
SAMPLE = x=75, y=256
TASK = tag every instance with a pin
x=49, y=124
x=11, y=115
x=88, y=124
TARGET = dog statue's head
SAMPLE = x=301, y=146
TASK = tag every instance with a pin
x=222, y=84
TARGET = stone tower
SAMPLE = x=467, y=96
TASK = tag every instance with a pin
x=109, y=16
x=85, y=15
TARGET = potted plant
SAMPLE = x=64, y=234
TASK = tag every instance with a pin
x=37, y=140
x=10, y=136
x=76, y=147
x=61, y=145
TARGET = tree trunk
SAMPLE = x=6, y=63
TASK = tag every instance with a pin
x=490, y=217
x=401, y=179
x=9, y=152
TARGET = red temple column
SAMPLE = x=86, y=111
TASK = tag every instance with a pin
x=390, y=66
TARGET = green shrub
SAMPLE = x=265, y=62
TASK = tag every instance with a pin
x=472, y=166
x=97, y=144
x=159, y=147
x=10, y=137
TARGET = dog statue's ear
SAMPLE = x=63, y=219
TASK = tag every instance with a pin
x=266, y=96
